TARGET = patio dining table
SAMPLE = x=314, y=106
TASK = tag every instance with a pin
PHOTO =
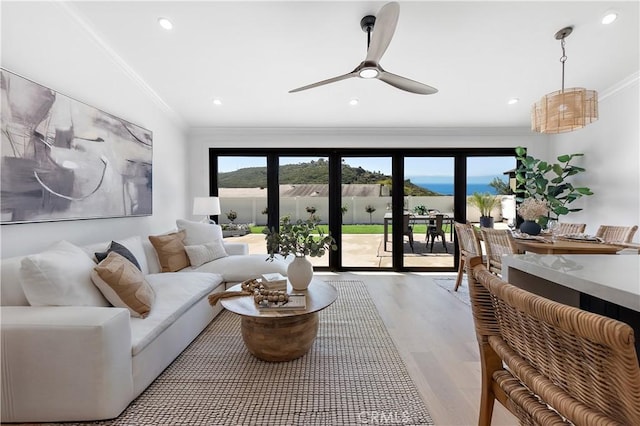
x=417, y=218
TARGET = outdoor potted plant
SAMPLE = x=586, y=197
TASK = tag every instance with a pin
x=484, y=202
x=531, y=210
x=301, y=238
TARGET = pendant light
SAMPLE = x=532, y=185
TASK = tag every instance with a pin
x=567, y=109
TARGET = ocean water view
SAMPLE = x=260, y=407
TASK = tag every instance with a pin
x=447, y=188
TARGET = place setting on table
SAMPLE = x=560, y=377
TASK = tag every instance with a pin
x=549, y=242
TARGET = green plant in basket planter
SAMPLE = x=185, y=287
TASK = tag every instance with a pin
x=549, y=181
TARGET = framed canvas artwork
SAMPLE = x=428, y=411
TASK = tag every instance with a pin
x=64, y=160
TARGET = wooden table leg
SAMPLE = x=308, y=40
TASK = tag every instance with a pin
x=278, y=339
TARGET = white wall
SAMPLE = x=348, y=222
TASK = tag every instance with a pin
x=612, y=159
x=43, y=42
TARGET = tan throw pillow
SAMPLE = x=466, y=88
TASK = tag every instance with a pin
x=123, y=285
x=170, y=250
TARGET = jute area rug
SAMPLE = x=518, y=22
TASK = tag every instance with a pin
x=449, y=283
x=352, y=375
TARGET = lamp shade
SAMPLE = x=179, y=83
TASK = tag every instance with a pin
x=206, y=206
x=565, y=110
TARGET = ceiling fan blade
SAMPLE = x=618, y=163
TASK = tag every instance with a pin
x=404, y=83
x=323, y=82
x=383, y=31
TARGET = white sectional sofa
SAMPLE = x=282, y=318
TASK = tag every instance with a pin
x=79, y=362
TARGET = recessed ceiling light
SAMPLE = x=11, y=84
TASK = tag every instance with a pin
x=609, y=17
x=513, y=101
x=165, y=23
x=217, y=101
x=354, y=102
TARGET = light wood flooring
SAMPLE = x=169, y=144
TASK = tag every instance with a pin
x=434, y=333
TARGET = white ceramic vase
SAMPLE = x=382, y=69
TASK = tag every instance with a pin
x=300, y=273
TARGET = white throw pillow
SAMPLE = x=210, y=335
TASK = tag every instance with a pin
x=60, y=276
x=203, y=253
x=199, y=232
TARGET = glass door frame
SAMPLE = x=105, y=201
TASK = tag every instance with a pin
x=335, y=156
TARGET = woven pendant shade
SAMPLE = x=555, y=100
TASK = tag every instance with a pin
x=565, y=111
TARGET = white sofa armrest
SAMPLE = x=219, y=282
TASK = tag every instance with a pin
x=62, y=363
x=234, y=249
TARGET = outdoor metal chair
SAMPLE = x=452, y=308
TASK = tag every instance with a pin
x=549, y=363
x=407, y=229
x=436, y=230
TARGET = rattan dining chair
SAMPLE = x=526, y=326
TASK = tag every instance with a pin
x=616, y=234
x=469, y=246
x=497, y=242
x=563, y=228
x=549, y=363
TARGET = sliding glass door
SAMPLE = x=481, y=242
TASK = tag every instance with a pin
x=428, y=212
x=365, y=211
x=362, y=197
x=304, y=192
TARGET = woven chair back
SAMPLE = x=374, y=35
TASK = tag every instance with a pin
x=467, y=240
x=563, y=228
x=497, y=242
x=546, y=361
x=617, y=234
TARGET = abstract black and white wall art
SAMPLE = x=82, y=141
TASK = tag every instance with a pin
x=63, y=160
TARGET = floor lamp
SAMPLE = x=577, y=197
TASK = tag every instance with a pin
x=206, y=206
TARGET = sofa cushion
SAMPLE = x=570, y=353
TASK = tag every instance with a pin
x=175, y=293
x=60, y=276
x=134, y=244
x=170, y=250
x=202, y=253
x=122, y=284
x=240, y=268
x=199, y=232
x=121, y=250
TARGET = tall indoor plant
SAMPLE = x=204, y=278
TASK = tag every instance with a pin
x=484, y=202
x=550, y=182
x=301, y=238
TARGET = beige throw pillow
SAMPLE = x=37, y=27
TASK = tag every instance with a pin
x=170, y=251
x=122, y=284
x=203, y=253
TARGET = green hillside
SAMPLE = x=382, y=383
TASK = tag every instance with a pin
x=312, y=172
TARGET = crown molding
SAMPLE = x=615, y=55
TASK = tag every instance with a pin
x=621, y=85
x=362, y=131
x=122, y=64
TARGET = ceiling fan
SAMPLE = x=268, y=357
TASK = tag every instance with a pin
x=385, y=26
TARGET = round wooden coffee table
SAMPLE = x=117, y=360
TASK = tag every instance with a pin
x=281, y=335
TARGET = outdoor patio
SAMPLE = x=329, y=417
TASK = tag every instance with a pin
x=366, y=250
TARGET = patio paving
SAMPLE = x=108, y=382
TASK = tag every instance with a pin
x=365, y=250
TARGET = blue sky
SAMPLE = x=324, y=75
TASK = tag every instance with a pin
x=414, y=166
